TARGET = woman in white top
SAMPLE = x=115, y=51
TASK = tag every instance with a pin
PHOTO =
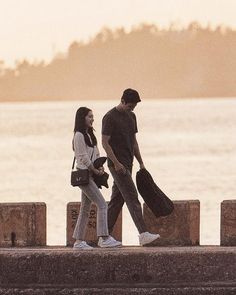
x=86, y=151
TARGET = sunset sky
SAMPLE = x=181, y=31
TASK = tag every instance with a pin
x=38, y=30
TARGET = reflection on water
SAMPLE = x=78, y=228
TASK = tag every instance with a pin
x=189, y=146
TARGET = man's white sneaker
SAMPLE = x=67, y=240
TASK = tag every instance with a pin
x=108, y=242
x=147, y=238
x=82, y=246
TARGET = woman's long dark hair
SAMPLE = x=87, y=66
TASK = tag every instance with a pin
x=80, y=126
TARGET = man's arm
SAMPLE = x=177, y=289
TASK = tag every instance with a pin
x=110, y=154
x=137, y=154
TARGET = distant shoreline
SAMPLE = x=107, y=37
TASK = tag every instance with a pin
x=114, y=99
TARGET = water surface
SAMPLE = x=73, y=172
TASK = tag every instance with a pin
x=189, y=146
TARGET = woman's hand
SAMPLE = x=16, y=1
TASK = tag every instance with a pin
x=101, y=169
x=98, y=171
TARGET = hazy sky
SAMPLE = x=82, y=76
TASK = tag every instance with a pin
x=38, y=29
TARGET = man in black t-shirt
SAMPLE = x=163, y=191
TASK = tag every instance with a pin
x=119, y=128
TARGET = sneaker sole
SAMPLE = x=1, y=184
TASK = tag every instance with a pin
x=82, y=249
x=149, y=243
x=117, y=246
x=79, y=249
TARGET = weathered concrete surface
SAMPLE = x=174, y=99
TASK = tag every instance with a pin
x=22, y=224
x=123, y=291
x=91, y=233
x=180, y=228
x=228, y=223
x=127, y=270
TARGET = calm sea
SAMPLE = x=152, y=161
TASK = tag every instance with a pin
x=189, y=146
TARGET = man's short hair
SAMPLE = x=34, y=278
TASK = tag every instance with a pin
x=130, y=96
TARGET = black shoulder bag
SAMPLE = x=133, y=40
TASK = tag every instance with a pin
x=79, y=176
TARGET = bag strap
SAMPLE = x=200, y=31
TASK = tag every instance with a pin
x=73, y=163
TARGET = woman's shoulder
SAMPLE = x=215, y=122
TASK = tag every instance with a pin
x=78, y=135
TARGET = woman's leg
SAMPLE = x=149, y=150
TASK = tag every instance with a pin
x=80, y=228
x=91, y=193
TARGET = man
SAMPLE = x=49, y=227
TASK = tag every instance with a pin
x=119, y=128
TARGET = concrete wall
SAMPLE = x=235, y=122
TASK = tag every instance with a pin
x=127, y=270
x=180, y=228
x=228, y=223
x=22, y=224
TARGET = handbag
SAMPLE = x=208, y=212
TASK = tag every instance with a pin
x=79, y=177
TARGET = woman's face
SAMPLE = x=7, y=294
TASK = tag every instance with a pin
x=89, y=119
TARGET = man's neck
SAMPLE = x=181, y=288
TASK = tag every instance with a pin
x=120, y=108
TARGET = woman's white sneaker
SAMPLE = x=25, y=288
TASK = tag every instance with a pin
x=82, y=246
x=147, y=238
x=108, y=242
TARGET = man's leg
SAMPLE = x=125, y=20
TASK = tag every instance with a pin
x=129, y=193
x=114, y=207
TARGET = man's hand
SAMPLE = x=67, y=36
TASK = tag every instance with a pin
x=120, y=168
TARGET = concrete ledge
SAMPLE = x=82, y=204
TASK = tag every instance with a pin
x=72, y=211
x=127, y=270
x=228, y=223
x=22, y=224
x=123, y=291
x=180, y=228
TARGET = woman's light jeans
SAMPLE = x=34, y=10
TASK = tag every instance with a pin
x=91, y=193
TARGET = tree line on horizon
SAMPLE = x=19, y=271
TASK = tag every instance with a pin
x=159, y=63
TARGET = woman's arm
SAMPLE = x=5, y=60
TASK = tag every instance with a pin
x=81, y=153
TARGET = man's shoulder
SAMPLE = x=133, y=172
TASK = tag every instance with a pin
x=132, y=114
x=110, y=113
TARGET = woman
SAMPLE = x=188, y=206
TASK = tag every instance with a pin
x=86, y=151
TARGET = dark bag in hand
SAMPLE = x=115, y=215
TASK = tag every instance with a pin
x=152, y=195
x=100, y=180
x=79, y=177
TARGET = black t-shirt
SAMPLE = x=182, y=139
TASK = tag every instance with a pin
x=121, y=127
